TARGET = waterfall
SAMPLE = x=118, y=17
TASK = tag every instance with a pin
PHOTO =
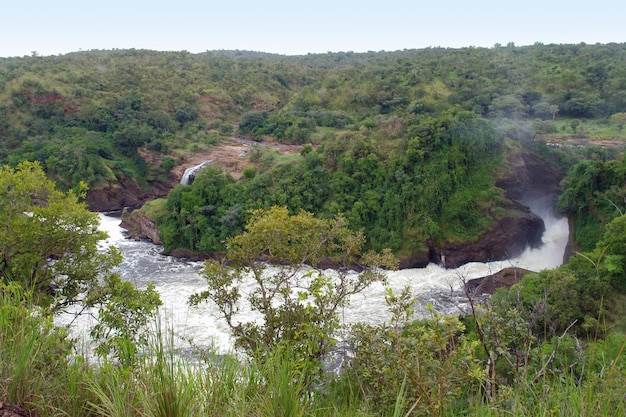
x=190, y=173
x=556, y=234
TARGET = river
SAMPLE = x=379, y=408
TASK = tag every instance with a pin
x=176, y=279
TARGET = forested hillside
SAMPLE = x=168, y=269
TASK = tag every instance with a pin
x=407, y=144
x=331, y=157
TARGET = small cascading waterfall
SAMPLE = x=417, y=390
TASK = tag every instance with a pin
x=190, y=173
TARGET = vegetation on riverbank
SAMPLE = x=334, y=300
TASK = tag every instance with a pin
x=406, y=145
x=519, y=355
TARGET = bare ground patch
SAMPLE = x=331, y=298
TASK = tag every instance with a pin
x=232, y=154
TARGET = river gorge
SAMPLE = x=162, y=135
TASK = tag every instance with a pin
x=176, y=279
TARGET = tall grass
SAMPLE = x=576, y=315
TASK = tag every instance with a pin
x=39, y=372
x=171, y=385
x=35, y=371
x=115, y=391
x=229, y=385
x=283, y=393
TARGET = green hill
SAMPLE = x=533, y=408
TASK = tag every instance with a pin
x=407, y=144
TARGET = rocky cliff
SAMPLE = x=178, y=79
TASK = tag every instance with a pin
x=127, y=193
x=507, y=238
x=140, y=226
x=526, y=179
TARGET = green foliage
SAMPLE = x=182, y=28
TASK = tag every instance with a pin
x=620, y=119
x=115, y=392
x=200, y=216
x=186, y=114
x=544, y=127
x=173, y=381
x=553, y=298
x=428, y=362
x=285, y=390
x=594, y=194
x=406, y=127
x=253, y=123
x=509, y=106
x=162, y=101
x=399, y=142
x=123, y=319
x=398, y=198
x=51, y=261
x=584, y=105
x=298, y=305
x=49, y=244
x=612, y=248
x=582, y=297
x=33, y=353
x=432, y=359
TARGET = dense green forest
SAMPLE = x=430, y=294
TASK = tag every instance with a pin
x=393, y=150
x=406, y=144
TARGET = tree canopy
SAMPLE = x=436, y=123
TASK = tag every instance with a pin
x=51, y=248
x=130, y=103
x=49, y=240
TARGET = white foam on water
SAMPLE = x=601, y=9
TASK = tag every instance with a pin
x=177, y=279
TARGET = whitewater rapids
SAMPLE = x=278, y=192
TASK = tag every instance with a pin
x=176, y=279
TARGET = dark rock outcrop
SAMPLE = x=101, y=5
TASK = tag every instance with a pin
x=506, y=239
x=526, y=180
x=114, y=198
x=528, y=175
x=572, y=246
x=127, y=193
x=140, y=227
x=414, y=260
x=489, y=284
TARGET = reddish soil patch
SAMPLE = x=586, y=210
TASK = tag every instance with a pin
x=232, y=154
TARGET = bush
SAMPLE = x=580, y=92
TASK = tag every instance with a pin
x=428, y=362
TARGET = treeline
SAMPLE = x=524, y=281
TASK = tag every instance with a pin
x=87, y=115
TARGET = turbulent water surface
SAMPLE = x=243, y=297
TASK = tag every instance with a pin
x=176, y=279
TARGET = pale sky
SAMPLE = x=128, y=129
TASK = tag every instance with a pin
x=52, y=27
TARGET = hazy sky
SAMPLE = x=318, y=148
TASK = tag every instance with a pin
x=294, y=27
